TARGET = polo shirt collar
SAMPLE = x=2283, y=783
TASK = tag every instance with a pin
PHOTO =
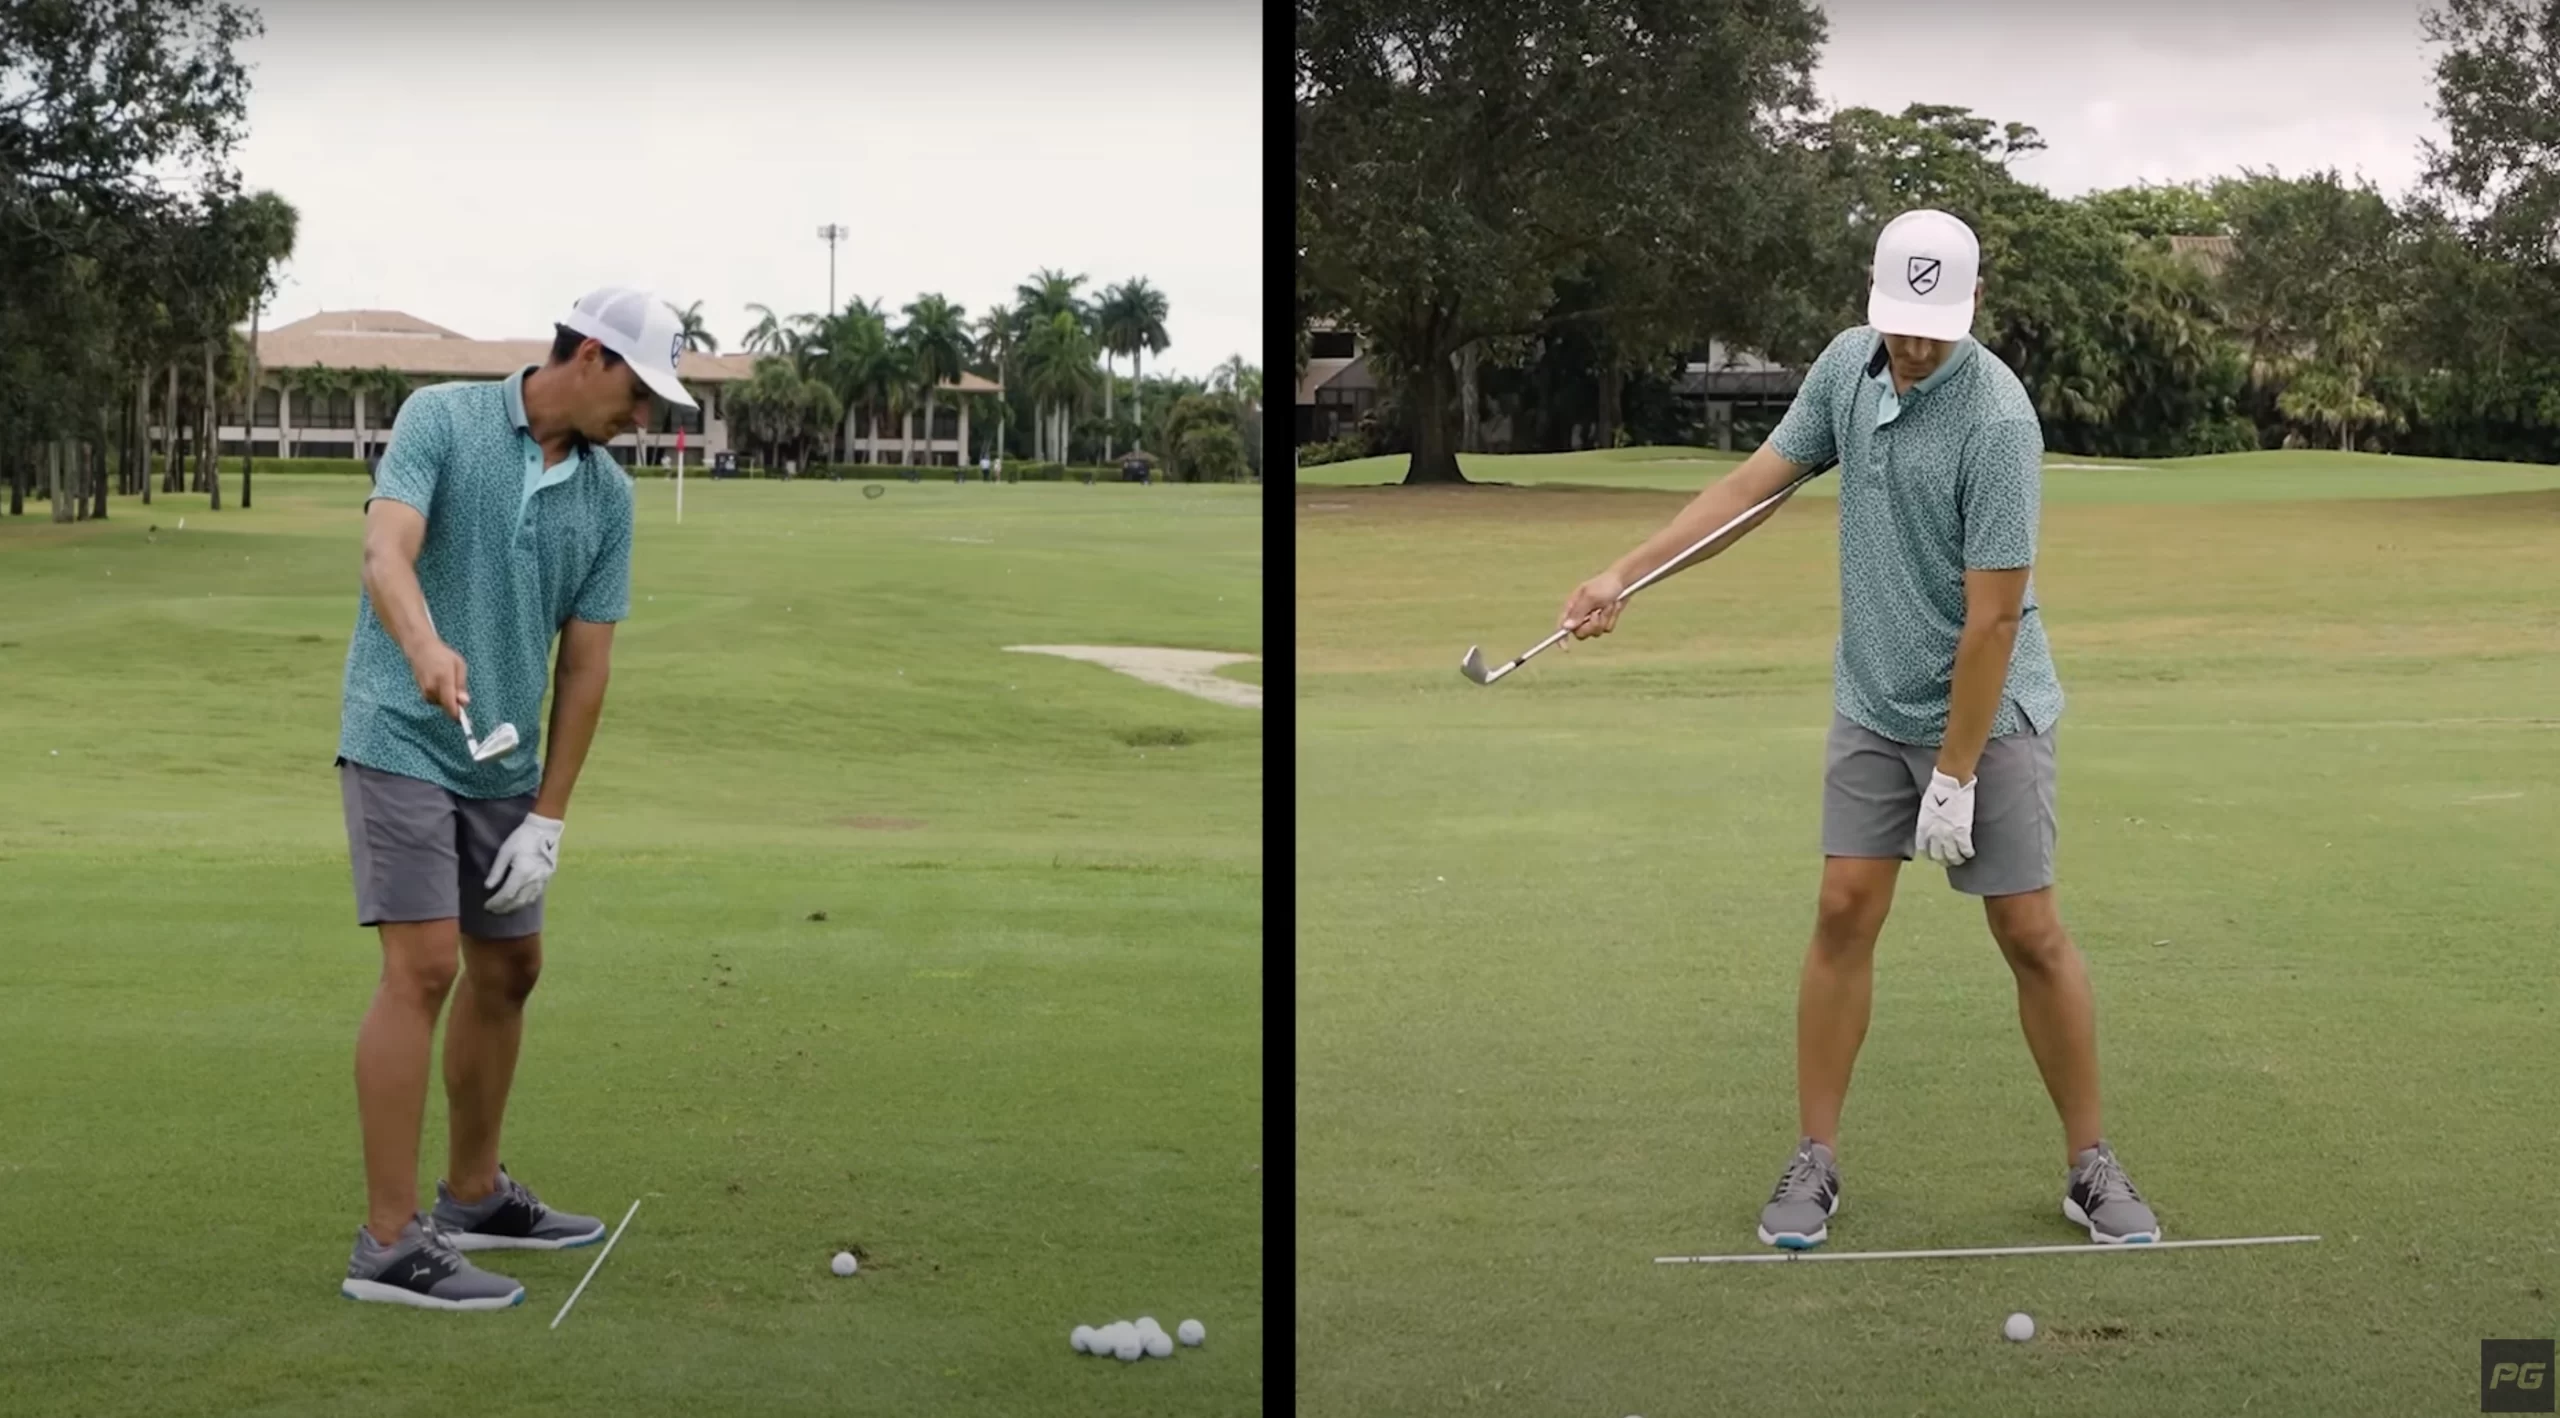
x=1954, y=361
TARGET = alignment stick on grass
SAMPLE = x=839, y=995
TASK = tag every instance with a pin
x=599, y=1265
x=1783, y=1257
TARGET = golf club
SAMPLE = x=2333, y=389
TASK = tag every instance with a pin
x=1473, y=665
x=501, y=740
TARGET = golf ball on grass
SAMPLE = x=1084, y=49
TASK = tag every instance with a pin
x=1129, y=1346
x=845, y=1264
x=1159, y=1344
x=1191, y=1333
x=1082, y=1339
x=2020, y=1328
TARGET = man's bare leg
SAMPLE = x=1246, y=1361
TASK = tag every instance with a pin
x=1837, y=987
x=2056, y=1007
x=480, y=1047
x=393, y=1047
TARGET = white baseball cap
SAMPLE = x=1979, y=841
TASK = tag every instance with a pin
x=638, y=326
x=1926, y=264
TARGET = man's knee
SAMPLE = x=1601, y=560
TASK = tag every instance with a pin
x=505, y=971
x=1850, y=912
x=2029, y=931
x=420, y=960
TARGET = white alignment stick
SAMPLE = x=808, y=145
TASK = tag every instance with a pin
x=591, y=1270
x=1783, y=1257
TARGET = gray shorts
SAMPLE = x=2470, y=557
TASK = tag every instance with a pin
x=422, y=853
x=1871, y=790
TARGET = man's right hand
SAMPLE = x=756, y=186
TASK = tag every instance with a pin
x=441, y=676
x=1593, y=607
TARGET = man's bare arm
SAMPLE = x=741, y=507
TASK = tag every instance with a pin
x=1993, y=603
x=577, y=704
x=393, y=533
x=1728, y=497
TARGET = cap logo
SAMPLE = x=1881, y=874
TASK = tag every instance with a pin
x=675, y=348
x=1922, y=273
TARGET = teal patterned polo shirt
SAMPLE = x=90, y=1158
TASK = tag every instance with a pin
x=1944, y=478
x=513, y=552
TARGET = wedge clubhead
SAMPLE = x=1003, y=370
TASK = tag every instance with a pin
x=500, y=742
x=1473, y=665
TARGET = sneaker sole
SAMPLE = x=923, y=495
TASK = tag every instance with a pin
x=2071, y=1211
x=475, y=1241
x=376, y=1291
x=1802, y=1240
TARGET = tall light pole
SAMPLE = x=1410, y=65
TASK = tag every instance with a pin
x=831, y=234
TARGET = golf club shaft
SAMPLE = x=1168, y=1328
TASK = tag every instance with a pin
x=1757, y=508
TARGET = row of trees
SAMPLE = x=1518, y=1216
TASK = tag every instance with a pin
x=1617, y=183
x=128, y=252
x=1052, y=348
x=130, y=257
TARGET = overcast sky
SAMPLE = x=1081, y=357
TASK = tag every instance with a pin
x=2155, y=90
x=481, y=163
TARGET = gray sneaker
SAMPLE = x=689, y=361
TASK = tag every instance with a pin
x=2099, y=1196
x=1799, y=1212
x=511, y=1218
x=423, y=1269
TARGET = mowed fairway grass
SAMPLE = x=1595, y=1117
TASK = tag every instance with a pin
x=866, y=934
x=1550, y=932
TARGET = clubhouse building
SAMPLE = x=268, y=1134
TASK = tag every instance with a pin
x=356, y=422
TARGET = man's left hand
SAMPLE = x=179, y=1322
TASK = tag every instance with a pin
x=1946, y=822
x=527, y=860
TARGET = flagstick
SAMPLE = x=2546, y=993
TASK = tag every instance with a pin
x=591, y=1270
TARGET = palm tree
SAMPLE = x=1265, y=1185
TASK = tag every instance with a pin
x=849, y=341
x=1146, y=313
x=1047, y=293
x=1059, y=358
x=998, y=337
x=1242, y=385
x=937, y=341
x=689, y=326
x=765, y=336
x=1115, y=322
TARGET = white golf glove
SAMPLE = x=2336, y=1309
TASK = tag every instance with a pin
x=1946, y=822
x=525, y=863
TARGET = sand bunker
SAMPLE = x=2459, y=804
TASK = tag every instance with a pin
x=1190, y=671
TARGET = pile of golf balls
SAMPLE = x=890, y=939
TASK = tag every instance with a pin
x=1129, y=1341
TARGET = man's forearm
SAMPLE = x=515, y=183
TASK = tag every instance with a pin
x=391, y=585
x=1728, y=497
x=1981, y=673
x=577, y=703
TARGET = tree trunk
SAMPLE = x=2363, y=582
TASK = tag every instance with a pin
x=55, y=492
x=1106, y=406
x=98, y=468
x=209, y=453
x=169, y=432
x=1470, y=429
x=1434, y=459
x=1138, y=392
x=17, y=455
x=928, y=423
x=249, y=424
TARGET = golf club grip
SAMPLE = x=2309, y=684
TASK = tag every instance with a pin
x=1756, y=509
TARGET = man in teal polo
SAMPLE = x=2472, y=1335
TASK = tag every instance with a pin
x=1945, y=701
x=498, y=524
